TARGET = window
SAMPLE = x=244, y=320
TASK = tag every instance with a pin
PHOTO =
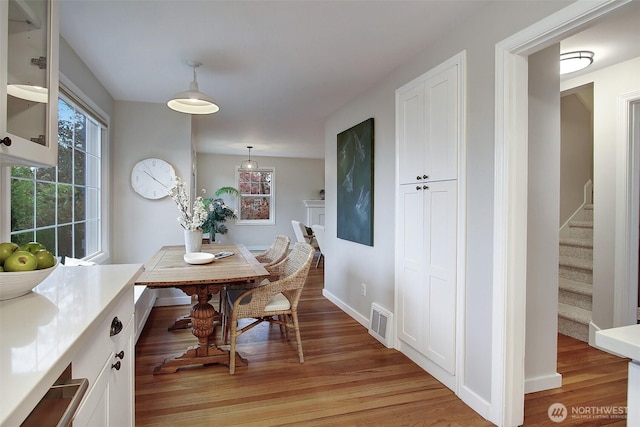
x=257, y=202
x=60, y=207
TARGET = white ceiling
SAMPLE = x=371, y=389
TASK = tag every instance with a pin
x=277, y=69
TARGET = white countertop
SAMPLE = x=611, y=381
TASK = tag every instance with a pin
x=624, y=341
x=39, y=331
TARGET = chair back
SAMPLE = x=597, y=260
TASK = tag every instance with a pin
x=300, y=231
x=294, y=271
x=318, y=232
x=303, y=234
x=296, y=262
x=276, y=252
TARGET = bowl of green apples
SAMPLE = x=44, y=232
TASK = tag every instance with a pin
x=22, y=268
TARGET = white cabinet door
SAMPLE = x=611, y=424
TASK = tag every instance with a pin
x=411, y=132
x=441, y=145
x=427, y=126
x=29, y=117
x=412, y=293
x=427, y=270
x=439, y=280
x=109, y=401
x=121, y=382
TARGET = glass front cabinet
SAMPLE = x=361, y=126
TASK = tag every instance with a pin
x=28, y=82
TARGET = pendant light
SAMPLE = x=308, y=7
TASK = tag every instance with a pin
x=571, y=62
x=249, y=164
x=193, y=101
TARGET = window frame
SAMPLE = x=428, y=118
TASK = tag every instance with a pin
x=70, y=92
x=271, y=196
x=76, y=95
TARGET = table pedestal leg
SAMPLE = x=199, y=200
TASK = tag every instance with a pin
x=184, y=322
x=206, y=352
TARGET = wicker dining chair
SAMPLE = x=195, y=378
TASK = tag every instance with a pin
x=276, y=252
x=275, y=301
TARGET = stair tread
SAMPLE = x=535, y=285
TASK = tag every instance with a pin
x=583, y=264
x=576, y=241
x=576, y=287
x=579, y=315
x=583, y=223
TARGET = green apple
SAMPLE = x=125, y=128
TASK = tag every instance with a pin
x=45, y=259
x=6, y=249
x=21, y=261
x=32, y=247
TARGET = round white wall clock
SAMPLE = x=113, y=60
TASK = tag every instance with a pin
x=152, y=178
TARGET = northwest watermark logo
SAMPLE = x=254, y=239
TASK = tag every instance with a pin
x=557, y=412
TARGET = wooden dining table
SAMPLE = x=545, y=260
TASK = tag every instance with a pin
x=168, y=269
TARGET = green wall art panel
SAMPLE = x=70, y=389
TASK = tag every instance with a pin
x=355, y=183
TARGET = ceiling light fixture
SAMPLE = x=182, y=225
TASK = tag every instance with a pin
x=193, y=101
x=571, y=62
x=249, y=164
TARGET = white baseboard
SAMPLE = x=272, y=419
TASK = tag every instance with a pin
x=475, y=402
x=593, y=328
x=546, y=382
x=346, y=308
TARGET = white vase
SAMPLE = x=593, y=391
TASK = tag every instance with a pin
x=193, y=240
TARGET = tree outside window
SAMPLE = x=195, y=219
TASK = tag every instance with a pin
x=60, y=206
x=256, y=201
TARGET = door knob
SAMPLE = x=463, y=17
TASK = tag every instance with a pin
x=6, y=141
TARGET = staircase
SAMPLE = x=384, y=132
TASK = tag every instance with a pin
x=576, y=278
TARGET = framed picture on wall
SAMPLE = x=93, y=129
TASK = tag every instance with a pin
x=355, y=184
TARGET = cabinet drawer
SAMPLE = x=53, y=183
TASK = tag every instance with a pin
x=100, y=344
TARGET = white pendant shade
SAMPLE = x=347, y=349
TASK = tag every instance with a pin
x=30, y=93
x=193, y=101
x=571, y=62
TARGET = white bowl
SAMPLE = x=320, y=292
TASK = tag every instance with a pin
x=19, y=283
x=198, y=257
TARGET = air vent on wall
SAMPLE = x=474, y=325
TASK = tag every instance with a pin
x=381, y=325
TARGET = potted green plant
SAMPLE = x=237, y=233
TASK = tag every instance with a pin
x=218, y=212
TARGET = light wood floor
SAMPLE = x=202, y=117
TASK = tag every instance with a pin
x=348, y=379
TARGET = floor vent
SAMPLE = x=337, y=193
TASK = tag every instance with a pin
x=381, y=325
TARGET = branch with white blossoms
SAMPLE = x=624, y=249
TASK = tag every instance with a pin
x=191, y=218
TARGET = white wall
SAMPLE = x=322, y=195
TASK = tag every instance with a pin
x=608, y=84
x=541, y=339
x=351, y=263
x=576, y=154
x=141, y=226
x=72, y=67
x=295, y=180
